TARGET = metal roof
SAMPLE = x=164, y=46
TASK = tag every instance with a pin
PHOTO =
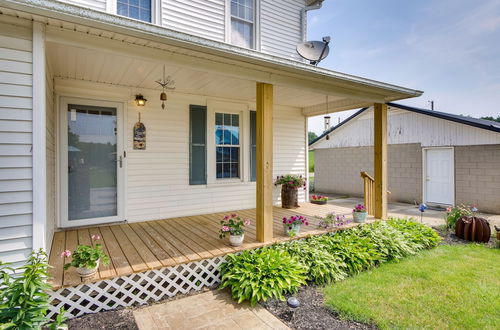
x=475, y=122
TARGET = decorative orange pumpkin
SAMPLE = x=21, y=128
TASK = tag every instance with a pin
x=472, y=228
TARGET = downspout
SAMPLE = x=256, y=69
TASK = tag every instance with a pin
x=303, y=17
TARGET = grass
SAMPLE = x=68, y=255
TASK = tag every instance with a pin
x=450, y=287
x=311, y=161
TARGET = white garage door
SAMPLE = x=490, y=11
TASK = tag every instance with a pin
x=439, y=176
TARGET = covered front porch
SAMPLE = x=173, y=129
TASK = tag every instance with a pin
x=142, y=246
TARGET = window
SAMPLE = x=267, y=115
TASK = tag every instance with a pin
x=138, y=9
x=227, y=145
x=242, y=23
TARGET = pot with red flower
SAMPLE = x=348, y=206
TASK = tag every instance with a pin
x=290, y=185
x=234, y=225
x=292, y=224
x=318, y=199
x=86, y=258
x=359, y=213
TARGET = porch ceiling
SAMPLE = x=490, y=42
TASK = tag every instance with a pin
x=204, y=66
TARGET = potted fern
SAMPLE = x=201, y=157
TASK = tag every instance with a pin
x=290, y=184
x=86, y=258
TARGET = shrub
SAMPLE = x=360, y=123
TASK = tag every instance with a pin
x=23, y=302
x=322, y=267
x=387, y=240
x=261, y=274
x=455, y=213
x=357, y=253
x=421, y=235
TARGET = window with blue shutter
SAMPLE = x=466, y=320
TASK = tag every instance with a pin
x=197, y=144
x=253, y=146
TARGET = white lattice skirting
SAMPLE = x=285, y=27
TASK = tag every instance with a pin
x=135, y=289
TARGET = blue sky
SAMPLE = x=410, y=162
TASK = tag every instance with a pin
x=450, y=49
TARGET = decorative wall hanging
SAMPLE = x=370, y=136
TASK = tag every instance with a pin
x=165, y=83
x=139, y=135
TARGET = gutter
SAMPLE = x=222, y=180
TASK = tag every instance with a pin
x=303, y=17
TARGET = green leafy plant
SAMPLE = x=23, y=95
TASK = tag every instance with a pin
x=234, y=225
x=23, y=301
x=86, y=256
x=291, y=181
x=322, y=267
x=422, y=236
x=261, y=274
x=454, y=213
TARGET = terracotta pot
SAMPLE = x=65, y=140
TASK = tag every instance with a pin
x=289, y=197
x=359, y=217
x=236, y=240
x=85, y=272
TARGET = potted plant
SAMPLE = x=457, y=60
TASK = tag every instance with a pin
x=235, y=226
x=359, y=213
x=292, y=224
x=332, y=220
x=290, y=184
x=318, y=199
x=86, y=258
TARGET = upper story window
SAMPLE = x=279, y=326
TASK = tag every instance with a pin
x=138, y=9
x=242, y=23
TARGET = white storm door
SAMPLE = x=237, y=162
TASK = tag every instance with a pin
x=439, y=176
x=91, y=162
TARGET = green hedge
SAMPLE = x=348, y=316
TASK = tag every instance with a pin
x=272, y=271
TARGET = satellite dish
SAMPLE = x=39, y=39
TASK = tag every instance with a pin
x=314, y=51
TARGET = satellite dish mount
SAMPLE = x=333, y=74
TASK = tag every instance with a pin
x=314, y=51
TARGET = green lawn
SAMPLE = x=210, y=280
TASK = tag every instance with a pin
x=450, y=287
x=311, y=161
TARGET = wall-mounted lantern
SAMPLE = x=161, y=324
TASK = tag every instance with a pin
x=140, y=100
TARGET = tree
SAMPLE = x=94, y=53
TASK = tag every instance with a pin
x=311, y=136
x=497, y=119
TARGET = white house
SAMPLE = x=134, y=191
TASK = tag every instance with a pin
x=435, y=157
x=73, y=79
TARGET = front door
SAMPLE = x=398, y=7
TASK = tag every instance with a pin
x=439, y=176
x=91, y=162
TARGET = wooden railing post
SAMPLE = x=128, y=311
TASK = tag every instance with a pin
x=264, y=189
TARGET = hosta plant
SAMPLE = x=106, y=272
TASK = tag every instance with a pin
x=261, y=274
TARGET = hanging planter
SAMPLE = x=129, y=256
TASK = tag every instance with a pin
x=290, y=189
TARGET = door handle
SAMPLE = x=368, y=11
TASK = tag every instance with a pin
x=119, y=161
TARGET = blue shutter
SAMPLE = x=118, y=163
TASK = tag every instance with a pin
x=253, y=146
x=197, y=144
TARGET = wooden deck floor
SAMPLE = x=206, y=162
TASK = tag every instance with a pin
x=140, y=246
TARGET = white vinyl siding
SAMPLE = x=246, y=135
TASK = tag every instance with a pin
x=158, y=177
x=92, y=4
x=204, y=18
x=406, y=127
x=15, y=142
x=280, y=26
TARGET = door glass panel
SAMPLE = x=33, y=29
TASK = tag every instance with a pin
x=92, y=166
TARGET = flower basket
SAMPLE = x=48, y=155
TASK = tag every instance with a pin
x=289, y=197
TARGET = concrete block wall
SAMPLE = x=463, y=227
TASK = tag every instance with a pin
x=337, y=170
x=477, y=177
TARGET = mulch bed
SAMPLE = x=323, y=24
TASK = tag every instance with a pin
x=312, y=313
x=122, y=319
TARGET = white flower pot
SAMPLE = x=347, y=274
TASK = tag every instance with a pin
x=85, y=272
x=236, y=240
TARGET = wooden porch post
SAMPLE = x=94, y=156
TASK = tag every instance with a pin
x=380, y=160
x=264, y=212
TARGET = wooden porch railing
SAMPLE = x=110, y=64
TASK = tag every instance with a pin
x=369, y=192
